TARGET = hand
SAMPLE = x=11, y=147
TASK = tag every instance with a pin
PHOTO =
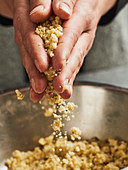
x=78, y=36
x=6, y=8
x=33, y=55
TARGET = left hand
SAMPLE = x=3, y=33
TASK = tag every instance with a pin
x=35, y=60
x=78, y=36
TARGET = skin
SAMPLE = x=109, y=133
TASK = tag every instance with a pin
x=73, y=46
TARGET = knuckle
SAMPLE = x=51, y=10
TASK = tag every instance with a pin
x=81, y=53
x=43, y=67
x=71, y=72
x=59, y=61
x=80, y=64
x=73, y=36
x=58, y=84
x=17, y=20
x=89, y=19
x=27, y=40
x=60, y=64
x=27, y=37
x=17, y=17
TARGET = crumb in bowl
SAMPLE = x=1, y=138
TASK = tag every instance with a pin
x=63, y=154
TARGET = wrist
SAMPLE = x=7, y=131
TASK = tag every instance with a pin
x=104, y=6
x=6, y=8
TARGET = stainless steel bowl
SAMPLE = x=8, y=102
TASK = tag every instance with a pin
x=102, y=112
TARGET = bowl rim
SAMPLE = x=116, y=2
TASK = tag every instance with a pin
x=105, y=86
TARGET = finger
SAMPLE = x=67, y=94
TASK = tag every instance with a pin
x=63, y=8
x=75, y=61
x=34, y=96
x=37, y=79
x=20, y=4
x=40, y=10
x=68, y=92
x=36, y=50
x=32, y=42
x=71, y=33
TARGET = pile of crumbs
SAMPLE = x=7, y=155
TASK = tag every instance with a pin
x=50, y=31
x=63, y=154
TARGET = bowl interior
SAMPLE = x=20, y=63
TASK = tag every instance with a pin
x=101, y=112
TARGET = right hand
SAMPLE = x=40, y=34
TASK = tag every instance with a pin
x=33, y=55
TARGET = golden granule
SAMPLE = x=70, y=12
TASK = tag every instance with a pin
x=57, y=124
x=62, y=154
x=20, y=96
x=76, y=132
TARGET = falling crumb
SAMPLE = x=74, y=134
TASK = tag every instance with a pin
x=76, y=132
x=65, y=133
x=42, y=141
x=57, y=124
x=68, y=118
x=72, y=138
x=73, y=116
x=56, y=116
x=49, y=112
x=70, y=106
x=42, y=107
x=20, y=96
x=40, y=102
x=54, y=133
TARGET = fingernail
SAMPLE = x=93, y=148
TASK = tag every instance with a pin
x=65, y=8
x=32, y=83
x=37, y=65
x=36, y=9
x=66, y=86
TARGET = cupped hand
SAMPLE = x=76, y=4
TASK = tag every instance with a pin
x=33, y=55
x=78, y=35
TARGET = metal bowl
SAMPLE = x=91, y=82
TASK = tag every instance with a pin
x=102, y=112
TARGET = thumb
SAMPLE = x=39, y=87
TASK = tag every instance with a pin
x=40, y=10
x=63, y=8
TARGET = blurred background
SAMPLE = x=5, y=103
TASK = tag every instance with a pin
x=107, y=62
